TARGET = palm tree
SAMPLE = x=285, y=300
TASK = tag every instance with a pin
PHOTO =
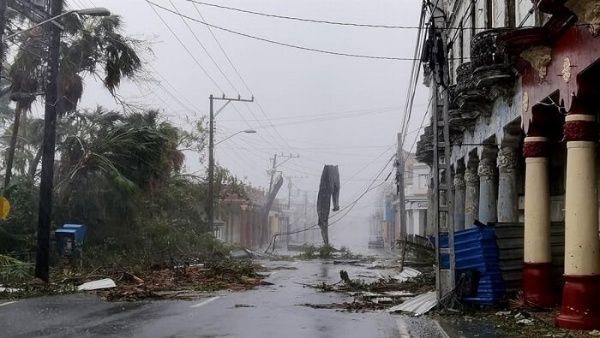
x=108, y=160
x=90, y=46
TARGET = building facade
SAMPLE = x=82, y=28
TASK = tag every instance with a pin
x=416, y=182
x=522, y=92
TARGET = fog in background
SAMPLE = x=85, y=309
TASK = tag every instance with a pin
x=326, y=109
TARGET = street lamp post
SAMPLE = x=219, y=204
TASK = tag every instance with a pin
x=49, y=138
x=210, y=209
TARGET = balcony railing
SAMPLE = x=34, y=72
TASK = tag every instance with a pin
x=486, y=51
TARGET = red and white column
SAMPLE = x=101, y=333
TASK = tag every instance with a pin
x=537, y=267
x=581, y=293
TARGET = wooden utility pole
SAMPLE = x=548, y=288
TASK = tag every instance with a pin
x=400, y=167
x=210, y=209
x=48, y=147
x=401, y=198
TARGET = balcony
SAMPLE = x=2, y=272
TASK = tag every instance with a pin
x=491, y=64
x=470, y=100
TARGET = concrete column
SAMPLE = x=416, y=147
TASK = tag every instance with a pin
x=471, y=196
x=459, y=200
x=508, y=198
x=581, y=292
x=488, y=190
x=537, y=269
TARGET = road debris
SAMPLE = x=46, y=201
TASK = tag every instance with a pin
x=406, y=274
x=418, y=305
x=378, y=294
x=525, y=321
x=8, y=290
x=187, y=283
x=105, y=283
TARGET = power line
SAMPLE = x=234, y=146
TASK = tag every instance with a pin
x=414, y=78
x=202, y=46
x=183, y=44
x=193, y=57
x=368, y=111
x=224, y=52
x=328, y=22
x=241, y=78
x=349, y=206
x=316, y=50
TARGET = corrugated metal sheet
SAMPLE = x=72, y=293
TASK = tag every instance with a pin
x=511, y=243
x=418, y=305
x=477, y=249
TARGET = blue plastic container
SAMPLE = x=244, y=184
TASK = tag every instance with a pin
x=80, y=231
x=65, y=240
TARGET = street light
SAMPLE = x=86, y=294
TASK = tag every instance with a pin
x=210, y=210
x=49, y=138
x=247, y=131
x=96, y=11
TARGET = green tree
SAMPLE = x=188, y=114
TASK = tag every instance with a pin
x=89, y=46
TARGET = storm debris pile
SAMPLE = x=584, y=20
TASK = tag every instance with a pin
x=380, y=294
x=183, y=282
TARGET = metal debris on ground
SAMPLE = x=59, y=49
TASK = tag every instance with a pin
x=406, y=274
x=418, y=305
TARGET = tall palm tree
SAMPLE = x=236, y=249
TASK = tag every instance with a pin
x=90, y=46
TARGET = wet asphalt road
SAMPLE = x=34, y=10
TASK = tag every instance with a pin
x=269, y=311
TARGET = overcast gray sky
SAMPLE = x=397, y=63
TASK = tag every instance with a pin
x=327, y=109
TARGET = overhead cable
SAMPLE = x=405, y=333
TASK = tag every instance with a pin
x=316, y=50
x=328, y=22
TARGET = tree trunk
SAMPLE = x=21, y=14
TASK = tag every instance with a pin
x=34, y=164
x=13, y=145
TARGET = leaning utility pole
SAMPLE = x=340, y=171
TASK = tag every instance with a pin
x=275, y=165
x=48, y=147
x=211, y=149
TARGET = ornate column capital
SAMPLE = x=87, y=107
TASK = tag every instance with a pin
x=507, y=160
x=487, y=168
x=471, y=177
x=459, y=180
